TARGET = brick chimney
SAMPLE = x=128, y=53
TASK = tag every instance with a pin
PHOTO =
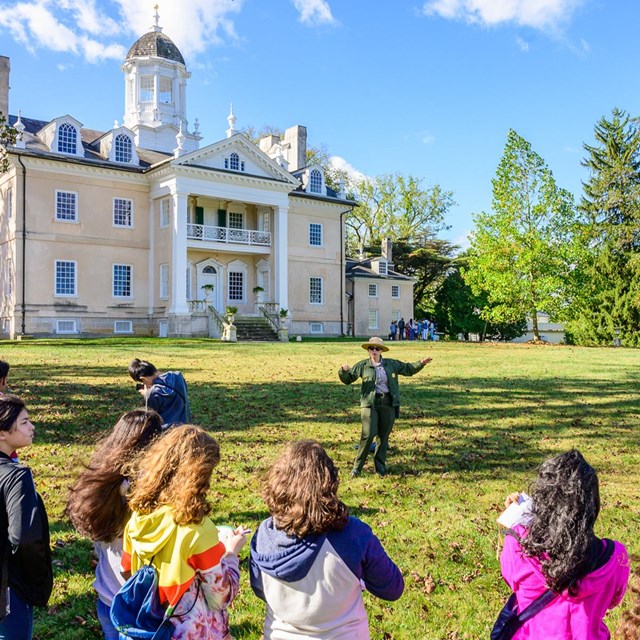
x=387, y=250
x=297, y=138
x=4, y=86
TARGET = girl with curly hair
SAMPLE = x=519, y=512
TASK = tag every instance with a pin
x=97, y=506
x=310, y=560
x=556, y=548
x=197, y=574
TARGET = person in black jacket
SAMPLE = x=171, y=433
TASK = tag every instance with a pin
x=25, y=554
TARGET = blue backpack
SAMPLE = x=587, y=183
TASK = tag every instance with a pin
x=136, y=610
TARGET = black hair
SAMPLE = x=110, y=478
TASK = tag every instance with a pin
x=141, y=368
x=4, y=369
x=10, y=408
x=566, y=504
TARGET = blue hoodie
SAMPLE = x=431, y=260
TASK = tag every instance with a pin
x=313, y=586
x=168, y=396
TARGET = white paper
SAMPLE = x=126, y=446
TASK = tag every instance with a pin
x=517, y=513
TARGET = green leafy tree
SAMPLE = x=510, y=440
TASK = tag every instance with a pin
x=610, y=269
x=523, y=252
x=8, y=136
x=397, y=207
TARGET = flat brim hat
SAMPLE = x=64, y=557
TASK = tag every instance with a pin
x=375, y=342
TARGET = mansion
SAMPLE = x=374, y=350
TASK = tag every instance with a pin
x=141, y=230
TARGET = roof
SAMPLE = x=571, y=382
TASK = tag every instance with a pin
x=155, y=45
x=362, y=269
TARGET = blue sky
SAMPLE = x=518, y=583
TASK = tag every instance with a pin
x=428, y=87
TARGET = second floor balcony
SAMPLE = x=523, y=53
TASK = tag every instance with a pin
x=228, y=235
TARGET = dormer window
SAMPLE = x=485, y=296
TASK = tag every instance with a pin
x=382, y=267
x=234, y=163
x=67, y=138
x=123, y=148
x=315, y=181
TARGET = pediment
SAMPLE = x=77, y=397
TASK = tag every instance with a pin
x=249, y=160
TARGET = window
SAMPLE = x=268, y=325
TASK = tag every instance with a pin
x=382, y=268
x=316, y=327
x=9, y=280
x=67, y=138
x=146, y=89
x=315, y=181
x=234, y=163
x=236, y=220
x=165, y=95
x=10, y=203
x=65, y=278
x=164, y=280
x=122, y=145
x=66, y=326
x=395, y=291
x=122, y=281
x=373, y=318
x=315, y=234
x=315, y=290
x=123, y=326
x=122, y=212
x=66, y=206
x=164, y=212
x=236, y=286
x=373, y=290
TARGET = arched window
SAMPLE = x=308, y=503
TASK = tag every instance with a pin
x=234, y=162
x=209, y=269
x=67, y=138
x=315, y=181
x=122, y=145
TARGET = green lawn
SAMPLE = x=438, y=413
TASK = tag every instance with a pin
x=474, y=425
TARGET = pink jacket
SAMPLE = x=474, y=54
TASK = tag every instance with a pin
x=566, y=618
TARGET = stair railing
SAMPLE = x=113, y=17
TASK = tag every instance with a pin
x=220, y=320
x=272, y=318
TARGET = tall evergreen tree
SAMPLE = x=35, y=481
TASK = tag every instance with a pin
x=611, y=266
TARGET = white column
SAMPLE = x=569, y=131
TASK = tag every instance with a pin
x=281, y=254
x=179, y=255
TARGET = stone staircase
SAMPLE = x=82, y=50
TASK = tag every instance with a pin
x=253, y=329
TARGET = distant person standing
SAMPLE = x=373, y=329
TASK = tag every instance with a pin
x=393, y=330
x=379, y=399
x=165, y=393
x=401, y=328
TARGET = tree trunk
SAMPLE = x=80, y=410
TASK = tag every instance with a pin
x=534, y=320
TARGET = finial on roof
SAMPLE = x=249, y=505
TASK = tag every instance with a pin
x=19, y=127
x=115, y=124
x=180, y=138
x=231, y=119
x=156, y=18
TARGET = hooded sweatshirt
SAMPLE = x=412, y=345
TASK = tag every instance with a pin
x=168, y=396
x=194, y=574
x=567, y=617
x=313, y=586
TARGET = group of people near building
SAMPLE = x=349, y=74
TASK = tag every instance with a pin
x=142, y=500
x=424, y=329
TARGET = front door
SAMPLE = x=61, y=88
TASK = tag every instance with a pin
x=209, y=286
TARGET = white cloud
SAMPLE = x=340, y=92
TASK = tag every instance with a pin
x=539, y=14
x=341, y=164
x=463, y=240
x=523, y=45
x=427, y=138
x=314, y=12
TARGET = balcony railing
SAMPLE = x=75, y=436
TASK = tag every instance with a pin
x=225, y=234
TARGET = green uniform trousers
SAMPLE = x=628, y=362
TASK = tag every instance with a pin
x=377, y=422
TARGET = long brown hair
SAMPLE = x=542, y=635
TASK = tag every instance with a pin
x=301, y=491
x=96, y=506
x=176, y=471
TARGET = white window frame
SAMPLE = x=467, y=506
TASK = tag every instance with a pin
x=9, y=280
x=243, y=274
x=150, y=90
x=320, y=281
x=165, y=212
x=373, y=319
x=122, y=144
x=73, y=220
x=9, y=202
x=162, y=90
x=316, y=187
x=118, y=225
x=113, y=281
x=69, y=331
x=383, y=267
x=235, y=213
x=316, y=327
x=75, y=279
x=67, y=126
x=316, y=231
x=163, y=281
x=395, y=291
x=373, y=290
x=127, y=323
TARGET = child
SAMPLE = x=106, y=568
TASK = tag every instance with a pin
x=197, y=575
x=310, y=561
x=24, y=538
x=557, y=549
x=629, y=628
x=97, y=506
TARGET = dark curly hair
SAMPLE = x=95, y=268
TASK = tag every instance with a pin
x=301, y=491
x=566, y=503
x=96, y=506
